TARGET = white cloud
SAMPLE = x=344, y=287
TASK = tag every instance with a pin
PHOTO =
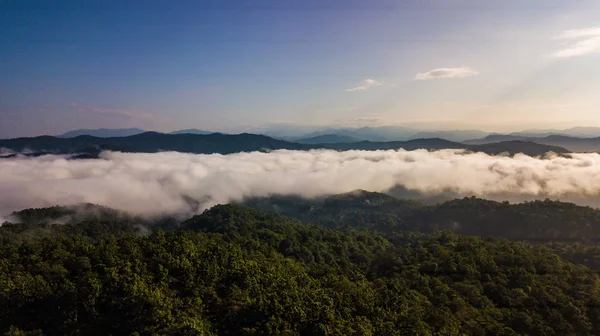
x=461, y=72
x=368, y=83
x=577, y=33
x=588, y=42
x=161, y=183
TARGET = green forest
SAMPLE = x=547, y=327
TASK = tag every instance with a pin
x=353, y=264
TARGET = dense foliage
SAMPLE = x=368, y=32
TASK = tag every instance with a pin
x=238, y=271
x=541, y=221
x=85, y=219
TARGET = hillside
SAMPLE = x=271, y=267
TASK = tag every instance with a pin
x=533, y=221
x=238, y=271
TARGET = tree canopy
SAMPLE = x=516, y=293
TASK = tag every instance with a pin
x=234, y=270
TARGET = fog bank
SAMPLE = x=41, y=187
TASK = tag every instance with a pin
x=151, y=184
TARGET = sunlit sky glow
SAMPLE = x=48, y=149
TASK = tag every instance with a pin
x=245, y=65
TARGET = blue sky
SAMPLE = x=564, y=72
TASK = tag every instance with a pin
x=250, y=65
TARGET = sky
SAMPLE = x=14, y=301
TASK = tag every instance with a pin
x=235, y=66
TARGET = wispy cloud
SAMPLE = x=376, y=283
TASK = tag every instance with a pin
x=461, y=72
x=587, y=42
x=367, y=84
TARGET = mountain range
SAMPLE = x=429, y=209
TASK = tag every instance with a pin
x=92, y=141
x=376, y=134
x=328, y=139
x=102, y=132
x=577, y=132
x=192, y=131
x=152, y=142
x=570, y=143
x=121, y=132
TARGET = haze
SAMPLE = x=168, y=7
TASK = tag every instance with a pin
x=235, y=66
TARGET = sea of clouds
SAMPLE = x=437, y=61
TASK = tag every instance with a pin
x=169, y=183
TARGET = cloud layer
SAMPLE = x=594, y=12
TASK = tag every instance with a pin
x=368, y=83
x=587, y=41
x=152, y=184
x=461, y=72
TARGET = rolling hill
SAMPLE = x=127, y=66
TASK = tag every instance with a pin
x=532, y=221
x=349, y=269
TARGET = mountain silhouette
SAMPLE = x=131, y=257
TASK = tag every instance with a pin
x=152, y=142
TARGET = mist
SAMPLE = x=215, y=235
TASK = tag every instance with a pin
x=170, y=183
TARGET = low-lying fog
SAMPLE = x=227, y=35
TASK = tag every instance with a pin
x=151, y=184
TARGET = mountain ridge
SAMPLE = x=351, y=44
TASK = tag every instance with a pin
x=369, y=133
x=192, y=131
x=102, y=132
x=152, y=142
x=571, y=143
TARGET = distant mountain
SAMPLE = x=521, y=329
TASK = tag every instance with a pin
x=534, y=135
x=328, y=138
x=510, y=147
x=430, y=144
x=103, y=132
x=458, y=135
x=401, y=133
x=383, y=133
x=192, y=131
x=571, y=143
x=152, y=142
x=578, y=132
x=396, y=133
x=517, y=146
x=584, y=132
x=497, y=138
x=380, y=133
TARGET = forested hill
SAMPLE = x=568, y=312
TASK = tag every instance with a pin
x=239, y=271
x=151, y=142
x=533, y=221
x=536, y=221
